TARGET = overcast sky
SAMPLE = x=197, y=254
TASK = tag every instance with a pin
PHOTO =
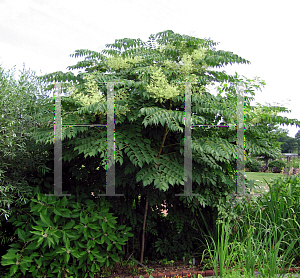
x=42, y=34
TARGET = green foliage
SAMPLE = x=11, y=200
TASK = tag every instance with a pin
x=288, y=144
x=23, y=163
x=253, y=166
x=277, y=163
x=65, y=237
x=266, y=120
x=149, y=132
x=169, y=242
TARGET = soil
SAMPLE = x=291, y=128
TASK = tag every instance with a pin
x=178, y=268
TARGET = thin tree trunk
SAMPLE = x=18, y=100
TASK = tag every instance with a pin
x=146, y=206
x=133, y=244
x=144, y=227
x=139, y=242
x=127, y=247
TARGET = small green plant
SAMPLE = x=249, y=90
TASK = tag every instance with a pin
x=165, y=262
x=196, y=276
x=170, y=262
x=187, y=259
x=149, y=271
x=207, y=263
x=133, y=268
x=67, y=238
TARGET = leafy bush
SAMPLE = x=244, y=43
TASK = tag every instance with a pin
x=276, y=170
x=277, y=163
x=253, y=166
x=68, y=238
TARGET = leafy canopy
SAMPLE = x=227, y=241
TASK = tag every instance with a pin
x=149, y=93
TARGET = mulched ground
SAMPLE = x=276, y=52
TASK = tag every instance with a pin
x=178, y=268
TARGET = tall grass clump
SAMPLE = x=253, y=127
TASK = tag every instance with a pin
x=264, y=235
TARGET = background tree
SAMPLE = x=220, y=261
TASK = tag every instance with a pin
x=266, y=120
x=149, y=134
x=289, y=144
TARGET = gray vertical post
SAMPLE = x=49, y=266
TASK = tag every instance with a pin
x=58, y=144
x=240, y=140
x=187, y=144
x=110, y=174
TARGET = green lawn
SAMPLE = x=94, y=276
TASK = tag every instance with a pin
x=260, y=178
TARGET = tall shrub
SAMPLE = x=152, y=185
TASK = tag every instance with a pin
x=20, y=156
x=23, y=163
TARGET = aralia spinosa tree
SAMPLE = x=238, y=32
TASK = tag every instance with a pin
x=149, y=118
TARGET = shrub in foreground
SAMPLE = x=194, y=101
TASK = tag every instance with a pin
x=68, y=238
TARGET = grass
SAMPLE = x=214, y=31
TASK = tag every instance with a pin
x=261, y=180
x=261, y=233
x=260, y=177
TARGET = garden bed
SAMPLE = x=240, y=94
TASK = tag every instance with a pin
x=178, y=269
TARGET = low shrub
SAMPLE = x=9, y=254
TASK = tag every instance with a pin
x=253, y=166
x=277, y=163
x=67, y=238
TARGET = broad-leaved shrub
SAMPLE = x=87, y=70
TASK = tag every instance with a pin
x=68, y=238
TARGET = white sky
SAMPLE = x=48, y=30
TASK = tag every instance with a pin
x=42, y=34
